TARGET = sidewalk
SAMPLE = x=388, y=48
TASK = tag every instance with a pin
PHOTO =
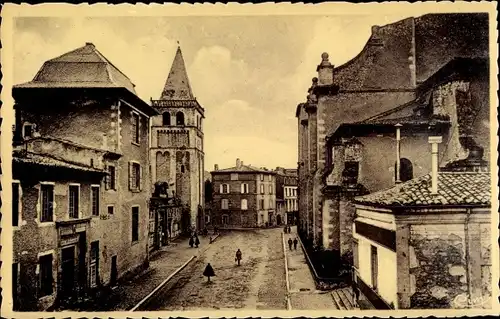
x=161, y=266
x=303, y=293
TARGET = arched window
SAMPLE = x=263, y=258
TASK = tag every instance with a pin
x=179, y=118
x=244, y=204
x=182, y=169
x=166, y=118
x=405, y=170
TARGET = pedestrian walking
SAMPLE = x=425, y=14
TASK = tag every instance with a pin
x=238, y=256
x=197, y=241
x=209, y=272
x=285, y=229
x=290, y=243
x=295, y=242
x=191, y=241
x=289, y=229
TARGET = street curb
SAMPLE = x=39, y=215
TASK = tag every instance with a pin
x=288, y=301
x=213, y=239
x=162, y=284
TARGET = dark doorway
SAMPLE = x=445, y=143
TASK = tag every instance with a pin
x=82, y=265
x=114, y=272
x=278, y=219
x=15, y=275
x=68, y=272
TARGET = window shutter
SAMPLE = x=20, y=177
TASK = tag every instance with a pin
x=130, y=179
x=221, y=189
x=140, y=178
x=242, y=188
x=138, y=128
x=108, y=178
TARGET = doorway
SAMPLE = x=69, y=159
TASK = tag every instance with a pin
x=68, y=271
x=114, y=272
x=278, y=219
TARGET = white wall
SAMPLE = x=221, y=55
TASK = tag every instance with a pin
x=387, y=268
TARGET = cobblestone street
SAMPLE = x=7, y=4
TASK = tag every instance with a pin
x=259, y=283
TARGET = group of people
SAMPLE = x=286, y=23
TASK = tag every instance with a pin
x=209, y=270
x=287, y=229
x=194, y=240
x=294, y=242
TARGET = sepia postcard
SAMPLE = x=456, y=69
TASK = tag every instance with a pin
x=249, y=160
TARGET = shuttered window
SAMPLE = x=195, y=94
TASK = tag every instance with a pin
x=136, y=128
x=47, y=201
x=94, y=191
x=135, y=176
x=224, y=204
x=74, y=201
x=111, y=178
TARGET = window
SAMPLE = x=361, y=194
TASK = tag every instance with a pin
x=261, y=177
x=374, y=265
x=262, y=188
x=234, y=176
x=244, y=188
x=179, y=118
x=136, y=128
x=135, y=224
x=45, y=275
x=94, y=263
x=350, y=173
x=355, y=253
x=244, y=204
x=261, y=204
x=111, y=210
x=224, y=189
x=47, y=214
x=225, y=219
x=224, y=204
x=111, y=178
x=94, y=191
x=15, y=204
x=405, y=170
x=74, y=198
x=269, y=177
x=182, y=169
x=27, y=130
x=135, y=172
x=271, y=204
x=270, y=188
x=207, y=219
x=166, y=118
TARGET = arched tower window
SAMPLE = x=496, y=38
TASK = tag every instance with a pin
x=179, y=118
x=405, y=170
x=166, y=118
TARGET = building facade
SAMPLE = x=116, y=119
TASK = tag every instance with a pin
x=431, y=235
x=177, y=155
x=347, y=128
x=244, y=196
x=287, y=193
x=80, y=168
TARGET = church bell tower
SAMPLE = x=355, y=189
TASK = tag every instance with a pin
x=177, y=155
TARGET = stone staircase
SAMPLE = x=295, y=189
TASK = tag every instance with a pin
x=343, y=299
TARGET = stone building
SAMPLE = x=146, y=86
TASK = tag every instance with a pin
x=80, y=169
x=404, y=75
x=177, y=155
x=426, y=243
x=244, y=196
x=287, y=193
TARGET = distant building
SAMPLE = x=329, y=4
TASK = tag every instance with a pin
x=80, y=169
x=287, y=193
x=244, y=196
x=424, y=73
x=177, y=155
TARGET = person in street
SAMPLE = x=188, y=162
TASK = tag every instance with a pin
x=209, y=272
x=191, y=241
x=295, y=242
x=197, y=241
x=285, y=229
x=238, y=256
x=290, y=243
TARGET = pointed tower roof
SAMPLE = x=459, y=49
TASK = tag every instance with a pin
x=177, y=86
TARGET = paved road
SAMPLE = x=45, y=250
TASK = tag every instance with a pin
x=259, y=283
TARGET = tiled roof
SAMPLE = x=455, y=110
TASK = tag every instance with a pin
x=244, y=169
x=44, y=160
x=84, y=67
x=454, y=189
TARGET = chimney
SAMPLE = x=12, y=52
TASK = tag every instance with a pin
x=325, y=71
x=398, y=154
x=241, y=163
x=434, y=141
x=238, y=163
x=216, y=167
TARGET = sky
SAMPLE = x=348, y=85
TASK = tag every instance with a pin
x=248, y=72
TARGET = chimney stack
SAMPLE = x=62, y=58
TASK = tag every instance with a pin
x=238, y=163
x=434, y=141
x=241, y=163
x=398, y=154
x=325, y=71
x=216, y=167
